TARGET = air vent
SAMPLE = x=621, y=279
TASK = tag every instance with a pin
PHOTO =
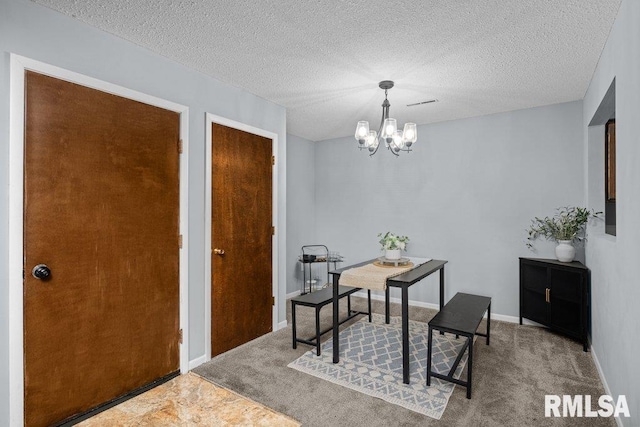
x=423, y=102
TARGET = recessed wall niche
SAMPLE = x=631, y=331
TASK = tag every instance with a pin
x=602, y=156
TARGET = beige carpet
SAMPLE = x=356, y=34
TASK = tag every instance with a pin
x=511, y=378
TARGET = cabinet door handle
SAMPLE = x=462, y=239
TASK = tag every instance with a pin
x=546, y=295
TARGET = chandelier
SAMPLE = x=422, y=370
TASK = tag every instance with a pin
x=395, y=140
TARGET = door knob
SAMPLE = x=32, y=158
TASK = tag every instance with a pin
x=218, y=251
x=41, y=271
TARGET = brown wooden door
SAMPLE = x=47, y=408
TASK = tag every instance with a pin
x=101, y=211
x=240, y=226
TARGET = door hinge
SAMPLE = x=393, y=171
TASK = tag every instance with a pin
x=273, y=300
x=180, y=336
x=273, y=231
x=273, y=160
x=180, y=241
x=180, y=146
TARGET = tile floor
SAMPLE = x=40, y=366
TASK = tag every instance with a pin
x=189, y=400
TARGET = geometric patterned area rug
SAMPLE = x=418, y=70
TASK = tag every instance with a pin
x=371, y=363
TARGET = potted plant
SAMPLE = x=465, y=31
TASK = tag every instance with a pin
x=393, y=245
x=565, y=227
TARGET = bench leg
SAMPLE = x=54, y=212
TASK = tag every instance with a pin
x=386, y=306
x=293, y=324
x=488, y=323
x=470, y=368
x=318, y=331
x=430, y=343
x=349, y=305
x=369, y=297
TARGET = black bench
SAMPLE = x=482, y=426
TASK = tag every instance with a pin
x=461, y=316
x=319, y=299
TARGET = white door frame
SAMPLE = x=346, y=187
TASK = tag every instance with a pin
x=18, y=66
x=210, y=119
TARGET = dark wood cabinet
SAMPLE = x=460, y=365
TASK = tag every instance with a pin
x=556, y=294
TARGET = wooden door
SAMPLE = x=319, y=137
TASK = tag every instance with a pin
x=241, y=227
x=101, y=205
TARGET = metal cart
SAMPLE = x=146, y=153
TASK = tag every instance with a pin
x=314, y=254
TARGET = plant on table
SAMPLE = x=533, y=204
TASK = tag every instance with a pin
x=392, y=244
x=565, y=227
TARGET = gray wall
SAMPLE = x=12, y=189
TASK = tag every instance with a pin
x=466, y=194
x=614, y=260
x=300, y=205
x=42, y=34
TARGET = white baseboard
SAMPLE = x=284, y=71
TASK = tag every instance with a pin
x=607, y=390
x=197, y=362
x=203, y=359
x=494, y=316
x=293, y=294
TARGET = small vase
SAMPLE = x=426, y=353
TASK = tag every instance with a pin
x=565, y=252
x=393, y=254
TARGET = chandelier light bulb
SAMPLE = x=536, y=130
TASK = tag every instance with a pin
x=390, y=126
x=372, y=139
x=410, y=134
x=362, y=130
x=397, y=143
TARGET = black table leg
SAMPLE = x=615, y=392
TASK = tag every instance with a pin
x=293, y=324
x=336, y=321
x=470, y=367
x=369, y=299
x=429, y=356
x=442, y=293
x=488, y=323
x=442, y=287
x=318, y=331
x=386, y=305
x=405, y=334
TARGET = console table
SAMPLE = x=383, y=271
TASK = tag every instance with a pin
x=402, y=281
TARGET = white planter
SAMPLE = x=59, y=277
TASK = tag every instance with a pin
x=393, y=254
x=565, y=252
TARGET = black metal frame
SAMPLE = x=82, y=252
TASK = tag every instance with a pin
x=315, y=341
x=467, y=345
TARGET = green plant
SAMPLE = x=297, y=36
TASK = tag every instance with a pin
x=391, y=241
x=567, y=224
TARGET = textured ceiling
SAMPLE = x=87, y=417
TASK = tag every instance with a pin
x=322, y=60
